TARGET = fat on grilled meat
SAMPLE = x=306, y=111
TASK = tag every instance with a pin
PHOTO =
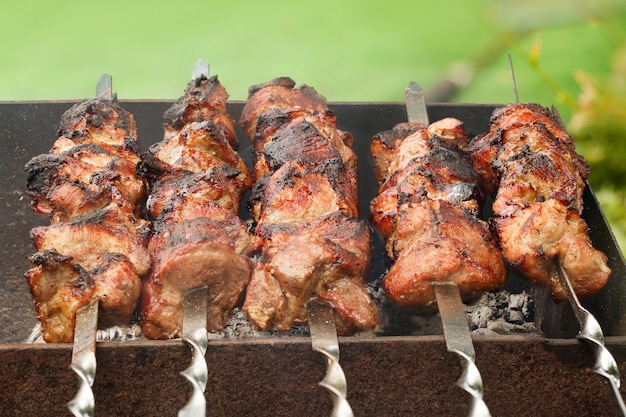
x=196, y=182
x=529, y=162
x=427, y=210
x=89, y=186
x=305, y=206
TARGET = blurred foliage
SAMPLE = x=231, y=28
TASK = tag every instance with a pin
x=599, y=126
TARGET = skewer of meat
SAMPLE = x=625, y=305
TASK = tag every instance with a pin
x=196, y=182
x=428, y=212
x=90, y=259
x=316, y=251
x=201, y=248
x=529, y=162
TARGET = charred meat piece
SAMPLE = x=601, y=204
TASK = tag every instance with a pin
x=306, y=207
x=93, y=162
x=279, y=93
x=326, y=257
x=199, y=151
x=442, y=174
x=99, y=255
x=529, y=162
x=84, y=178
x=87, y=237
x=435, y=240
x=298, y=192
x=277, y=128
x=427, y=210
x=204, y=100
x=98, y=122
x=197, y=180
x=195, y=244
x=217, y=185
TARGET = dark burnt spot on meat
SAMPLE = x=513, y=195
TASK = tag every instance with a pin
x=195, y=103
x=257, y=192
x=229, y=171
x=131, y=144
x=301, y=142
x=97, y=216
x=95, y=113
x=393, y=137
x=41, y=172
x=103, y=177
x=276, y=82
x=49, y=257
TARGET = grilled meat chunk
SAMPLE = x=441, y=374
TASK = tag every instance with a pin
x=297, y=192
x=204, y=100
x=327, y=258
x=195, y=244
x=98, y=255
x=442, y=174
x=85, y=238
x=98, y=122
x=84, y=178
x=427, y=211
x=93, y=162
x=529, y=162
x=60, y=287
x=217, y=185
x=435, y=240
x=305, y=204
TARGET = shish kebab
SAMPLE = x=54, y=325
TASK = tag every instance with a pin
x=90, y=259
x=529, y=163
x=428, y=212
x=201, y=248
x=316, y=251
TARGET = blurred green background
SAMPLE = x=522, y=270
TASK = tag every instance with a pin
x=571, y=53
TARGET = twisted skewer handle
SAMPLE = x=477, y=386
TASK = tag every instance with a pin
x=324, y=340
x=459, y=341
x=84, y=360
x=196, y=336
x=197, y=374
x=591, y=331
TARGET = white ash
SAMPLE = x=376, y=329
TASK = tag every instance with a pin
x=238, y=326
x=502, y=312
x=119, y=333
x=495, y=313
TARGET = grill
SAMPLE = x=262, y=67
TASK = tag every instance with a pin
x=397, y=372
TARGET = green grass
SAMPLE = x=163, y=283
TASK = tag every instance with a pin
x=349, y=51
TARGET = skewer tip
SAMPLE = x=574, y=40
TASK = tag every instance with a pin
x=513, y=82
x=200, y=68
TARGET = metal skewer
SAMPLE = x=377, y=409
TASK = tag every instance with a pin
x=195, y=335
x=84, y=360
x=590, y=329
x=451, y=308
x=85, y=331
x=324, y=340
x=194, y=324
